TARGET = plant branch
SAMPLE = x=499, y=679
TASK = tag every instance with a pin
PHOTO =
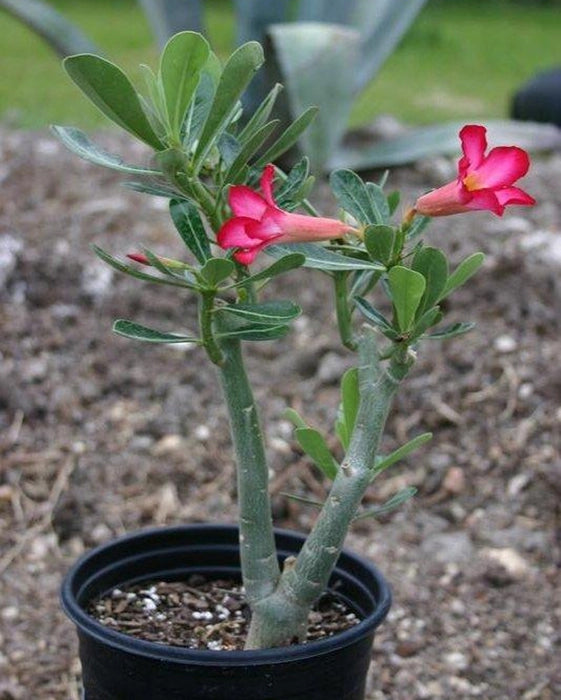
x=260, y=568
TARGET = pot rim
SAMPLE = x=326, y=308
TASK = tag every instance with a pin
x=127, y=643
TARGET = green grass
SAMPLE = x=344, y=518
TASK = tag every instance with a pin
x=462, y=59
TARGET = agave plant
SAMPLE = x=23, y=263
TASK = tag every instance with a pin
x=325, y=52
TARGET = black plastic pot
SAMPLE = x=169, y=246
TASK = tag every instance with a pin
x=118, y=667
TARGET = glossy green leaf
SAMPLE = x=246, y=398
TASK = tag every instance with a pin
x=407, y=288
x=255, y=332
x=375, y=317
x=130, y=329
x=379, y=241
x=267, y=312
x=399, y=454
x=466, y=269
x=79, y=143
x=451, y=331
x=190, y=227
x=112, y=93
x=303, y=499
x=248, y=150
x=433, y=265
x=238, y=71
x=182, y=60
x=288, y=194
x=288, y=138
x=428, y=319
x=216, y=270
x=138, y=274
x=392, y=503
x=295, y=418
x=282, y=265
x=314, y=445
x=261, y=115
x=320, y=258
x=379, y=200
x=153, y=187
x=353, y=196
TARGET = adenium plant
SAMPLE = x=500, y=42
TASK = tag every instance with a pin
x=232, y=207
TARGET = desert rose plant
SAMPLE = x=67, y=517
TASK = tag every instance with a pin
x=232, y=208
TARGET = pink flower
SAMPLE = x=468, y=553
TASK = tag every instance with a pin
x=259, y=222
x=484, y=181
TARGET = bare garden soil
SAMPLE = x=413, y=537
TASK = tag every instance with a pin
x=100, y=435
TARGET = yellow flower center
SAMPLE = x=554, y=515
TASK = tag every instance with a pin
x=471, y=182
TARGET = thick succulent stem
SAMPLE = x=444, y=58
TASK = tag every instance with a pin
x=283, y=616
x=260, y=568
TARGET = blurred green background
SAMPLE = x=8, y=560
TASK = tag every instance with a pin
x=462, y=59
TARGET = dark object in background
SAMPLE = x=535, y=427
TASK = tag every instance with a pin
x=539, y=100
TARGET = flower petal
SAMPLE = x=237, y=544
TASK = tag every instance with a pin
x=514, y=195
x=474, y=144
x=485, y=199
x=268, y=227
x=267, y=184
x=246, y=256
x=235, y=233
x=503, y=166
x=246, y=202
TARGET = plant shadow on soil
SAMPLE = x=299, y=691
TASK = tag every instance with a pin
x=100, y=435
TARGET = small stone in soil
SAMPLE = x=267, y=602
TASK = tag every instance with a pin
x=201, y=614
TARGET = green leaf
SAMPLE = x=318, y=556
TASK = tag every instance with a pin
x=353, y=196
x=428, y=319
x=463, y=272
x=295, y=418
x=190, y=227
x=129, y=329
x=407, y=288
x=320, y=258
x=287, y=194
x=393, y=200
x=348, y=409
x=392, y=503
x=379, y=240
x=238, y=71
x=375, y=317
x=302, y=499
x=267, y=313
x=79, y=143
x=419, y=224
x=288, y=138
x=451, y=331
x=248, y=150
x=400, y=453
x=111, y=91
x=260, y=115
x=282, y=265
x=182, y=60
x=433, y=265
x=379, y=200
x=150, y=187
x=314, y=445
x=134, y=272
x=216, y=270
x=255, y=332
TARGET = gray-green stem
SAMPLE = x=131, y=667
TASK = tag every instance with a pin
x=260, y=568
x=283, y=616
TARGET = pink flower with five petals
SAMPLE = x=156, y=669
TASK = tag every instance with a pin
x=258, y=222
x=484, y=181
